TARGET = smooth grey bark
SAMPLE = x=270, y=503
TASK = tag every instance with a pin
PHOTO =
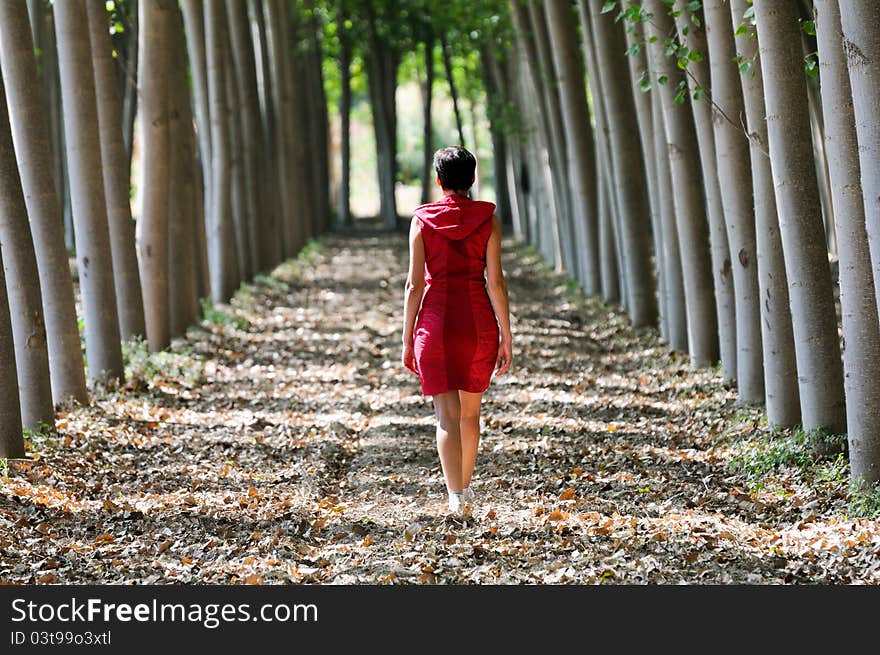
x=626, y=158
x=238, y=191
x=194, y=25
x=502, y=74
x=319, y=119
x=669, y=251
x=817, y=347
x=344, y=212
x=92, y=232
x=128, y=76
x=155, y=182
x=221, y=247
x=271, y=242
x=581, y=148
x=246, y=85
x=548, y=86
x=733, y=166
x=699, y=78
x=117, y=185
x=687, y=187
x=505, y=203
x=11, y=437
x=35, y=165
x=606, y=205
x=858, y=305
x=545, y=212
x=23, y=288
x=780, y=368
x=861, y=37
x=638, y=66
x=183, y=217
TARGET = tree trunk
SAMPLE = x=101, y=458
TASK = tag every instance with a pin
x=319, y=120
x=221, y=248
x=238, y=191
x=862, y=47
x=733, y=166
x=155, y=183
x=35, y=164
x=638, y=66
x=271, y=242
x=782, y=397
x=345, y=217
x=687, y=186
x=11, y=438
x=548, y=87
x=87, y=193
x=453, y=90
x=183, y=217
x=382, y=78
x=670, y=255
x=246, y=84
x=820, y=375
x=698, y=78
x=858, y=305
x=626, y=161
x=500, y=147
x=129, y=75
x=117, y=185
x=23, y=288
x=545, y=159
x=581, y=149
x=300, y=142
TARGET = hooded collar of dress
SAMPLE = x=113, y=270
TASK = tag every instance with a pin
x=455, y=216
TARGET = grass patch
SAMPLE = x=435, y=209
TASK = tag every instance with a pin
x=814, y=454
x=213, y=314
x=141, y=363
x=864, y=500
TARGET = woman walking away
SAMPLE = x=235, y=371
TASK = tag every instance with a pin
x=457, y=331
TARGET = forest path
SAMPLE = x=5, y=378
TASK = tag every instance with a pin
x=282, y=441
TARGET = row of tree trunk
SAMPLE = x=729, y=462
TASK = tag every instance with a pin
x=683, y=185
x=233, y=179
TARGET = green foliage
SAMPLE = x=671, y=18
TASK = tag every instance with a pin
x=212, y=314
x=4, y=468
x=142, y=364
x=864, y=500
x=810, y=452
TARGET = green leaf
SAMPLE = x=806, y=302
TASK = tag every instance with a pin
x=695, y=55
x=609, y=6
x=742, y=29
x=633, y=50
x=810, y=27
x=645, y=83
x=696, y=20
x=663, y=79
x=698, y=93
x=682, y=63
x=695, y=5
x=745, y=67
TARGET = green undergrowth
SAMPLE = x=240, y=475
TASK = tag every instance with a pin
x=816, y=459
x=141, y=363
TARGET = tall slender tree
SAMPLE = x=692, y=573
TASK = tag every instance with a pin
x=117, y=187
x=861, y=330
x=35, y=164
x=87, y=193
x=861, y=39
x=23, y=288
x=687, y=185
x=345, y=57
x=780, y=368
x=581, y=149
x=733, y=166
x=11, y=438
x=817, y=348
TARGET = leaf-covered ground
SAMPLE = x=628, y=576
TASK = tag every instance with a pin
x=283, y=442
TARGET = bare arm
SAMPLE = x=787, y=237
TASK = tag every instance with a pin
x=496, y=286
x=415, y=282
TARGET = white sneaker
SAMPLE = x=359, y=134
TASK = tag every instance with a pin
x=455, y=503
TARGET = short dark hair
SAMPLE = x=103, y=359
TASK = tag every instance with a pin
x=455, y=167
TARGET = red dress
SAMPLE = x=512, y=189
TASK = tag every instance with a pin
x=456, y=332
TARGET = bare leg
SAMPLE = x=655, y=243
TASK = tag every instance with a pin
x=448, y=412
x=470, y=433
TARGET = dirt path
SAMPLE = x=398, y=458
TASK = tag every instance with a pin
x=283, y=442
